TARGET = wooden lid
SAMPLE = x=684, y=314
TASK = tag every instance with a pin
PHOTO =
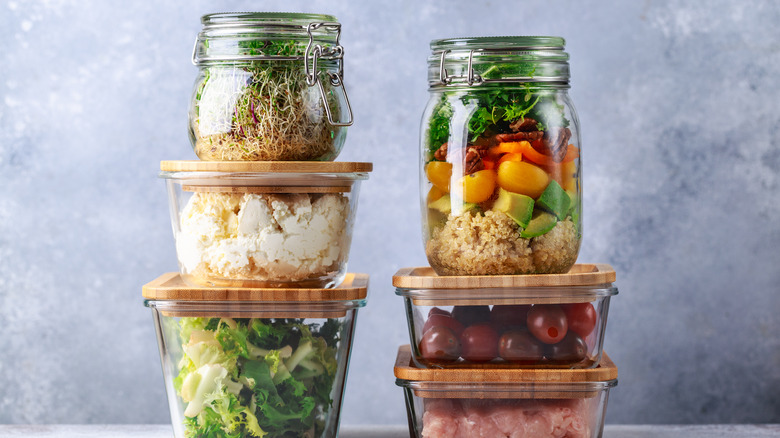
x=579, y=275
x=266, y=166
x=171, y=287
x=404, y=369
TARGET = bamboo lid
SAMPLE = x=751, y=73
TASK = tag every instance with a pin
x=579, y=275
x=266, y=166
x=404, y=369
x=171, y=287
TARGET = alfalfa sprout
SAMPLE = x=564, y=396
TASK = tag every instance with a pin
x=262, y=111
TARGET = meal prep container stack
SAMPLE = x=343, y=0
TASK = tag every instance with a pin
x=256, y=328
x=506, y=330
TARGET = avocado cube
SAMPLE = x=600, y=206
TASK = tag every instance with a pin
x=555, y=200
x=519, y=207
x=541, y=223
x=442, y=205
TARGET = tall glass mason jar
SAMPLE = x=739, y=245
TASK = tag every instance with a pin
x=500, y=148
x=269, y=88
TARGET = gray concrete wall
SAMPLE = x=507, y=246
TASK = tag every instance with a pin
x=678, y=102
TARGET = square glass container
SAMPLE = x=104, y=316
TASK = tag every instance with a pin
x=509, y=321
x=497, y=403
x=247, y=362
x=263, y=224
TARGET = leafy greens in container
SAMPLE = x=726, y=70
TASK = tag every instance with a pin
x=254, y=362
x=256, y=377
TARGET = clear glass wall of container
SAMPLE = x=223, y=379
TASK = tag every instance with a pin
x=263, y=224
x=255, y=368
x=269, y=88
x=500, y=158
x=489, y=402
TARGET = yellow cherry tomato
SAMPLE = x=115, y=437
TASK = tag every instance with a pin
x=479, y=186
x=434, y=193
x=522, y=177
x=569, y=176
x=439, y=173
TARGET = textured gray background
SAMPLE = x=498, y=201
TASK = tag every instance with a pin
x=678, y=103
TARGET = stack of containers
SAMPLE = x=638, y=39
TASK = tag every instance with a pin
x=255, y=331
x=506, y=331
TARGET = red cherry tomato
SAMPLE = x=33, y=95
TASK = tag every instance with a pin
x=520, y=346
x=469, y=315
x=479, y=343
x=443, y=321
x=582, y=318
x=437, y=311
x=504, y=317
x=572, y=349
x=439, y=343
x=547, y=323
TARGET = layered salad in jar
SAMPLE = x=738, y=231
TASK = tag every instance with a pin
x=501, y=183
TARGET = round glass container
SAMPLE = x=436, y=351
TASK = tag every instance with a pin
x=500, y=174
x=254, y=362
x=269, y=88
x=263, y=224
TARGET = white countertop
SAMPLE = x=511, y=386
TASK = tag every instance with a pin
x=164, y=431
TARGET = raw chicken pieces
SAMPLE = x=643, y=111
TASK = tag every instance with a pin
x=473, y=418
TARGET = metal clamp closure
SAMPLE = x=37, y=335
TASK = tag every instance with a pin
x=316, y=51
x=472, y=78
x=443, y=78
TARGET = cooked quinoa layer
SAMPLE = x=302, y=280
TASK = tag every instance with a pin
x=490, y=244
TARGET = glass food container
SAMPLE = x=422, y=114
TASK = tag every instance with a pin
x=500, y=149
x=269, y=88
x=497, y=403
x=249, y=362
x=263, y=224
x=528, y=321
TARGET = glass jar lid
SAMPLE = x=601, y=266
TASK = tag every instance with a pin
x=450, y=378
x=498, y=59
x=308, y=39
x=173, y=297
x=583, y=283
x=247, y=36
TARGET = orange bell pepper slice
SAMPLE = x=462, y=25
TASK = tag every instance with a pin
x=572, y=153
x=534, y=156
x=511, y=157
x=511, y=147
x=539, y=158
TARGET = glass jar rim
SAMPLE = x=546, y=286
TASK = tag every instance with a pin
x=264, y=19
x=509, y=43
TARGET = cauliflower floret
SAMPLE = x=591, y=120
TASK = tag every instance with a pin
x=276, y=237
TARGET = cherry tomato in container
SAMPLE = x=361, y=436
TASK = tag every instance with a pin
x=509, y=316
x=437, y=311
x=520, y=346
x=571, y=349
x=479, y=343
x=438, y=320
x=439, y=343
x=582, y=317
x=469, y=315
x=547, y=323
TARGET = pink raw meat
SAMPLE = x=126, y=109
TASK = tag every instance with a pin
x=473, y=418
